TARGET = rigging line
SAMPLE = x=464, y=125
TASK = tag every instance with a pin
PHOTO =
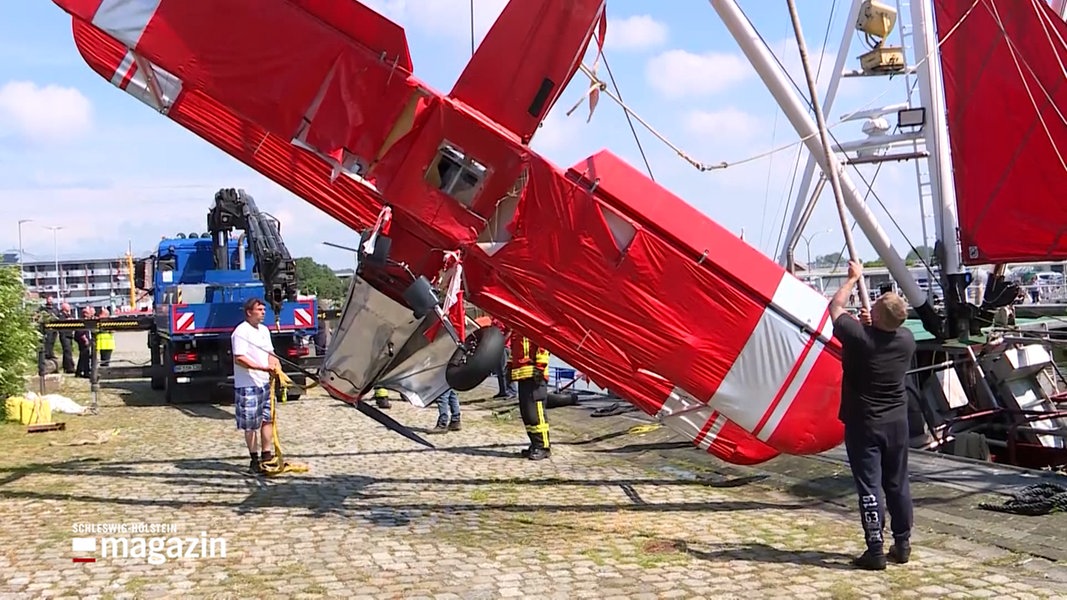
x=863, y=178
x=788, y=194
x=699, y=165
x=796, y=157
x=767, y=191
x=472, y=27
x=1044, y=22
x=724, y=164
x=1026, y=86
x=770, y=165
x=633, y=130
x=925, y=58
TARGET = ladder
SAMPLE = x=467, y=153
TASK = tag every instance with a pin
x=922, y=167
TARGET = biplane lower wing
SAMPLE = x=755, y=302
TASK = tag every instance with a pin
x=618, y=277
x=724, y=336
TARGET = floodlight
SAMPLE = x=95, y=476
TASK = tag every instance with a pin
x=876, y=19
x=911, y=117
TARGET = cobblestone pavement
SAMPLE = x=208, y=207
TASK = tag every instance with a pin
x=377, y=516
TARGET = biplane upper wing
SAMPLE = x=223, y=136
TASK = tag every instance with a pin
x=527, y=58
x=332, y=77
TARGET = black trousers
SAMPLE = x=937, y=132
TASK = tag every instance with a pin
x=878, y=455
x=66, y=342
x=532, y=395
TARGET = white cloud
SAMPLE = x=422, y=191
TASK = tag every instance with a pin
x=731, y=123
x=679, y=73
x=102, y=220
x=44, y=114
x=558, y=133
x=447, y=18
x=636, y=32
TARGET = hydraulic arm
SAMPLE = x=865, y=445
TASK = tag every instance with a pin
x=274, y=265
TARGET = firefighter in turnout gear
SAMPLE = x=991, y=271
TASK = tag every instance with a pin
x=381, y=397
x=529, y=369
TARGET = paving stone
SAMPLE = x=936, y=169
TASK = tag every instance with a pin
x=377, y=516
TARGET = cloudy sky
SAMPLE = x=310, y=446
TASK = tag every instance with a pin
x=73, y=148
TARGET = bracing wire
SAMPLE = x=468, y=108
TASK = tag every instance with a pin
x=633, y=130
x=725, y=164
x=855, y=168
x=796, y=158
x=472, y=27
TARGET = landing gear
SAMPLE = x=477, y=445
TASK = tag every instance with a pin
x=475, y=357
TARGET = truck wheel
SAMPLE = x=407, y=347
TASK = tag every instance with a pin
x=467, y=370
x=168, y=390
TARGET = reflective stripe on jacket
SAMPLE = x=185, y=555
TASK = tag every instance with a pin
x=527, y=358
x=105, y=340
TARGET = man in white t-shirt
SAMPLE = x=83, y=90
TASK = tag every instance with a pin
x=253, y=363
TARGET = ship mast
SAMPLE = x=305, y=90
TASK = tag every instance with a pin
x=778, y=83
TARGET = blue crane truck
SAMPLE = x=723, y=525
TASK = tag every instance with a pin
x=199, y=284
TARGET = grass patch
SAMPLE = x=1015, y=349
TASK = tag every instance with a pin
x=647, y=554
x=841, y=590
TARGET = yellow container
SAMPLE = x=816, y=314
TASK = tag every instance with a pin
x=13, y=406
x=36, y=412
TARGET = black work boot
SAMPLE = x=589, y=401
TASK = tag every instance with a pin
x=871, y=560
x=538, y=453
x=900, y=552
x=454, y=425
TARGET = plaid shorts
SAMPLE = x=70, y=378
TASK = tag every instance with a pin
x=252, y=407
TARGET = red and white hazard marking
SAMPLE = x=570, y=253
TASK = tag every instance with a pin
x=303, y=317
x=184, y=322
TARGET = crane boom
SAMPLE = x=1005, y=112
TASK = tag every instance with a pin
x=275, y=267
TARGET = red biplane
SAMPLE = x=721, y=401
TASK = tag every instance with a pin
x=615, y=275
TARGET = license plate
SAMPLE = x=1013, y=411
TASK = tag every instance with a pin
x=188, y=368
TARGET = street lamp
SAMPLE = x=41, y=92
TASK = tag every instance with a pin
x=807, y=243
x=55, y=250
x=22, y=274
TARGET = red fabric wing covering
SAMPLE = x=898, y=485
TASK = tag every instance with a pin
x=298, y=170
x=1008, y=156
x=689, y=322
x=285, y=69
x=526, y=59
x=606, y=365
x=365, y=26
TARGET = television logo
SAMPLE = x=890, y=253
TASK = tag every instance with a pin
x=154, y=550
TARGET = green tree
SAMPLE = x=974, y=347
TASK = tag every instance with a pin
x=318, y=279
x=921, y=253
x=829, y=260
x=19, y=336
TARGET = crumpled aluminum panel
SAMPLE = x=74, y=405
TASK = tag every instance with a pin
x=379, y=343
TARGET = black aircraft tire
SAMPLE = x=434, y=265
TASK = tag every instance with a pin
x=467, y=371
x=558, y=399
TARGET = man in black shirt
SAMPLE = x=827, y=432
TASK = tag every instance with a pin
x=877, y=353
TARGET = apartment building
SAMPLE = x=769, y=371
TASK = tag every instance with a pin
x=81, y=282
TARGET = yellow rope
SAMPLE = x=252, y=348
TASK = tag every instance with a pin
x=277, y=465
x=639, y=429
